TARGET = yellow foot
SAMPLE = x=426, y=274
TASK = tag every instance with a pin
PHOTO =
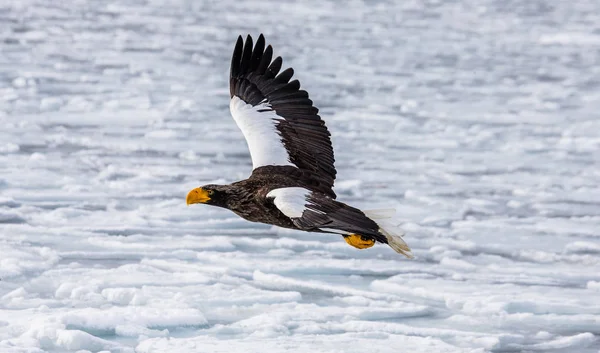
x=359, y=241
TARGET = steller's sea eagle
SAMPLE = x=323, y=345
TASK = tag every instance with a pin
x=292, y=157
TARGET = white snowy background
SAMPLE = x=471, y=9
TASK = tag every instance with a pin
x=478, y=120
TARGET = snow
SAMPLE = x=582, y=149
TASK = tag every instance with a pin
x=476, y=120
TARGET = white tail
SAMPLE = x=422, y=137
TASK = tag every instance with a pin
x=391, y=230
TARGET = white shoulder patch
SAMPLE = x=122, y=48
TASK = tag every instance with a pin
x=290, y=201
x=260, y=131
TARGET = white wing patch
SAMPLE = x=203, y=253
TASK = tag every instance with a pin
x=264, y=141
x=338, y=231
x=290, y=201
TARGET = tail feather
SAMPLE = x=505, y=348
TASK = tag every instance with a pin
x=382, y=213
x=393, y=233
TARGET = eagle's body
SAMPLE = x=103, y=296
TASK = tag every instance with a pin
x=248, y=198
x=291, y=185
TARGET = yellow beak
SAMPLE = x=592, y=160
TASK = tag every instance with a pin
x=198, y=195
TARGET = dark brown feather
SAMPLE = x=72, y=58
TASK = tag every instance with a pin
x=254, y=78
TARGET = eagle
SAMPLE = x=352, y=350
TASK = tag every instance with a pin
x=291, y=184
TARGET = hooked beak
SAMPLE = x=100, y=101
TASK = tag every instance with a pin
x=198, y=195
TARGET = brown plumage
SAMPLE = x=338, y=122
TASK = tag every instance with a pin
x=291, y=185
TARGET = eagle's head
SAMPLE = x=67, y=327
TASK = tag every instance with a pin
x=211, y=194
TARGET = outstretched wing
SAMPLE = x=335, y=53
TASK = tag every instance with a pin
x=279, y=121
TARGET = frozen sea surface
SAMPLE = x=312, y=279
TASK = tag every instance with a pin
x=478, y=120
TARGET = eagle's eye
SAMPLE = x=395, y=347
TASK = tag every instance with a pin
x=210, y=192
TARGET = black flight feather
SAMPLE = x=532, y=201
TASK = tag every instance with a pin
x=255, y=78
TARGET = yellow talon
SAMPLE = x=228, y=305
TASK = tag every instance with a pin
x=358, y=241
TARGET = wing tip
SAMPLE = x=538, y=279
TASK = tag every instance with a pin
x=236, y=57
